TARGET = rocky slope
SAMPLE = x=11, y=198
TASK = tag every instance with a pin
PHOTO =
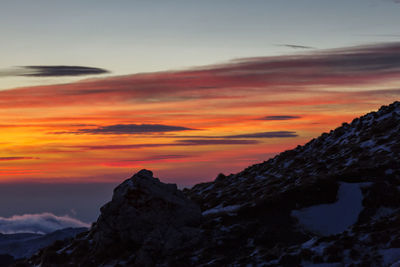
x=334, y=200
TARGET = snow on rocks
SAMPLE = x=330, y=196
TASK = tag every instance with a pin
x=221, y=209
x=390, y=255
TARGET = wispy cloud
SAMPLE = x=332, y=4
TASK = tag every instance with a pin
x=131, y=129
x=177, y=143
x=160, y=157
x=51, y=71
x=149, y=159
x=42, y=223
x=119, y=147
x=196, y=140
x=280, y=117
x=271, y=134
x=16, y=158
x=276, y=134
x=296, y=46
x=204, y=142
x=382, y=34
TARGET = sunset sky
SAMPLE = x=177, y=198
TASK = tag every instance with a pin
x=93, y=91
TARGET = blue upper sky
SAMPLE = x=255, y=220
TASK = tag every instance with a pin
x=142, y=36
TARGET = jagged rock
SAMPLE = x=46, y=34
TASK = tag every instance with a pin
x=146, y=215
x=144, y=221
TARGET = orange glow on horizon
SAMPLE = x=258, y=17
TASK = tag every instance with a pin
x=187, y=126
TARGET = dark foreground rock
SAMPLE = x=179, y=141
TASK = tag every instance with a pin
x=334, y=201
x=6, y=260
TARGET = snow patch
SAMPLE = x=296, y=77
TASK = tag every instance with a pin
x=390, y=256
x=309, y=243
x=287, y=164
x=221, y=209
x=388, y=115
x=349, y=161
x=381, y=147
x=389, y=171
x=209, y=187
x=329, y=219
x=368, y=143
x=383, y=212
x=260, y=177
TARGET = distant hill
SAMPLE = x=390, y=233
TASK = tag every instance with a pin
x=24, y=245
x=332, y=202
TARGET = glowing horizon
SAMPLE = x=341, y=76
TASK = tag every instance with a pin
x=189, y=125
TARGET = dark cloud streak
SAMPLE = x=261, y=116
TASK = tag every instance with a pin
x=122, y=129
x=15, y=158
x=131, y=129
x=52, y=71
x=49, y=71
x=277, y=134
x=199, y=141
x=205, y=142
x=280, y=118
x=190, y=142
x=272, y=134
x=296, y=46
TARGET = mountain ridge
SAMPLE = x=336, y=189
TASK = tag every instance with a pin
x=272, y=168
x=21, y=245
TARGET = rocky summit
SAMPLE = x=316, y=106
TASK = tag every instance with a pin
x=332, y=202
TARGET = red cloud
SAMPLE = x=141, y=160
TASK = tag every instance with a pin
x=253, y=76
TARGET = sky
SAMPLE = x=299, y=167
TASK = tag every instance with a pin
x=93, y=91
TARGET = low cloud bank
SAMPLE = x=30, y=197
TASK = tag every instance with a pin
x=42, y=223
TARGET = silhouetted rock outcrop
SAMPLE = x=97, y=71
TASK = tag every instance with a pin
x=143, y=222
x=334, y=200
x=145, y=216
